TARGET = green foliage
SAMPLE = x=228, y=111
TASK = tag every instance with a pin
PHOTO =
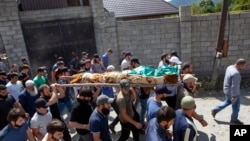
x=208, y=6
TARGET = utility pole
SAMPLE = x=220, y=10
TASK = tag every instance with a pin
x=220, y=42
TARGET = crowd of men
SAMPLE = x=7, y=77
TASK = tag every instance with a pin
x=32, y=108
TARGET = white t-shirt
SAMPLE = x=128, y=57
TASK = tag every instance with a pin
x=40, y=122
x=125, y=64
x=14, y=89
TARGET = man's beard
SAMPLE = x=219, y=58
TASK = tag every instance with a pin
x=163, y=98
x=33, y=92
x=18, y=126
x=105, y=111
x=3, y=97
x=82, y=101
x=55, y=139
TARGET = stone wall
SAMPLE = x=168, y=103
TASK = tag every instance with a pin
x=11, y=32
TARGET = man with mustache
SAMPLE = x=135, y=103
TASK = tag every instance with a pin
x=17, y=129
x=7, y=102
x=28, y=97
x=52, y=97
x=98, y=121
x=157, y=126
x=55, y=130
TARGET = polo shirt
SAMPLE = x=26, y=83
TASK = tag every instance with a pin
x=99, y=124
x=155, y=132
x=12, y=134
x=5, y=106
x=77, y=115
x=39, y=80
x=152, y=107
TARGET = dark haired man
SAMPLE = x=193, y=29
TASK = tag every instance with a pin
x=3, y=78
x=17, y=129
x=126, y=61
x=7, y=102
x=105, y=57
x=55, y=130
x=98, y=121
x=157, y=126
x=14, y=86
x=39, y=79
x=79, y=119
x=24, y=76
x=129, y=118
x=231, y=89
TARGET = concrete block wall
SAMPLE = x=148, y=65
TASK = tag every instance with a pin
x=147, y=39
x=34, y=16
x=11, y=32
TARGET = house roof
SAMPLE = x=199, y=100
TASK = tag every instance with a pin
x=134, y=8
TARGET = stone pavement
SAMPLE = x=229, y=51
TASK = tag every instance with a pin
x=218, y=128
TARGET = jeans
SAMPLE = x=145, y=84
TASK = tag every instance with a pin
x=143, y=103
x=235, y=107
x=64, y=105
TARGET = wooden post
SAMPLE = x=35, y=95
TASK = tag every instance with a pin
x=220, y=41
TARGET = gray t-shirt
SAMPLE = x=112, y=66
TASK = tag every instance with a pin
x=124, y=101
x=41, y=121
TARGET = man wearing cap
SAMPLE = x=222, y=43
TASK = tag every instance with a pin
x=7, y=102
x=85, y=66
x=14, y=86
x=126, y=61
x=154, y=103
x=79, y=119
x=184, y=128
x=3, y=78
x=98, y=122
x=231, y=89
x=54, y=67
x=28, y=96
x=84, y=56
x=158, y=126
x=105, y=57
x=39, y=79
x=134, y=63
x=184, y=90
x=52, y=97
x=128, y=116
x=40, y=119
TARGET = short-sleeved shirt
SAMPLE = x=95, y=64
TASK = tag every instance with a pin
x=5, y=106
x=39, y=80
x=40, y=121
x=125, y=64
x=105, y=60
x=124, y=101
x=152, y=108
x=14, y=89
x=155, y=132
x=11, y=134
x=77, y=115
x=99, y=124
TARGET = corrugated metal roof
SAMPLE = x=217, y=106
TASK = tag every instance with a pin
x=133, y=8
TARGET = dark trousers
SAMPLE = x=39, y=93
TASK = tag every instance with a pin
x=115, y=107
x=127, y=127
x=171, y=101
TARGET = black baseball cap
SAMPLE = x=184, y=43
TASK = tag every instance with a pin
x=161, y=89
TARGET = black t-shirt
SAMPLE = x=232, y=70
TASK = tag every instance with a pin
x=54, y=111
x=23, y=77
x=81, y=113
x=5, y=106
x=142, y=94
